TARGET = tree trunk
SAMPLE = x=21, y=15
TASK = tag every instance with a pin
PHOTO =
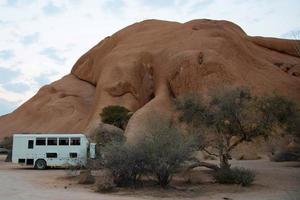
x=224, y=163
x=163, y=179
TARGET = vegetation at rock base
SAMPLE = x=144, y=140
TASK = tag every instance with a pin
x=216, y=126
x=159, y=155
x=234, y=116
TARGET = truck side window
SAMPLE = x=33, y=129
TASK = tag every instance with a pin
x=75, y=141
x=30, y=144
x=51, y=155
x=52, y=141
x=40, y=141
x=73, y=155
x=64, y=141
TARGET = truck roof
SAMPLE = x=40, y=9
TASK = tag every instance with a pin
x=49, y=135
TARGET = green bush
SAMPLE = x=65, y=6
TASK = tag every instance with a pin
x=115, y=115
x=236, y=175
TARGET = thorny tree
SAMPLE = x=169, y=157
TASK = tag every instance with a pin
x=234, y=116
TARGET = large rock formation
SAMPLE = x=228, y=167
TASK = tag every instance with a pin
x=146, y=64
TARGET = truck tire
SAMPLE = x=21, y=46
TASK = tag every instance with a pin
x=40, y=164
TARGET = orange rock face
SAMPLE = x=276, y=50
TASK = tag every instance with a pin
x=145, y=65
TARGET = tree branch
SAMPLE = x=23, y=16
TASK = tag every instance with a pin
x=236, y=143
x=209, y=153
x=240, y=125
x=203, y=164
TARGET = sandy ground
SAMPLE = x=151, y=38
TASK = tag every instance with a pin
x=275, y=181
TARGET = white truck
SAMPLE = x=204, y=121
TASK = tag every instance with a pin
x=52, y=150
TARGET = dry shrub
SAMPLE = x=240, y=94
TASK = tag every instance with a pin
x=286, y=155
x=236, y=175
x=85, y=177
x=105, y=183
x=166, y=149
x=105, y=134
x=9, y=157
x=160, y=154
x=7, y=142
x=125, y=161
x=73, y=170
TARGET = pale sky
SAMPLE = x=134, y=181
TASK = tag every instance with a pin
x=42, y=39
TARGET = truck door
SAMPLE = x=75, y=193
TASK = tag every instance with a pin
x=30, y=156
x=30, y=144
x=92, y=150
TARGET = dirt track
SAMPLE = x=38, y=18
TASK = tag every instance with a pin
x=19, y=183
x=274, y=181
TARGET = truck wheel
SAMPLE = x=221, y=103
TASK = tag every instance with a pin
x=40, y=164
